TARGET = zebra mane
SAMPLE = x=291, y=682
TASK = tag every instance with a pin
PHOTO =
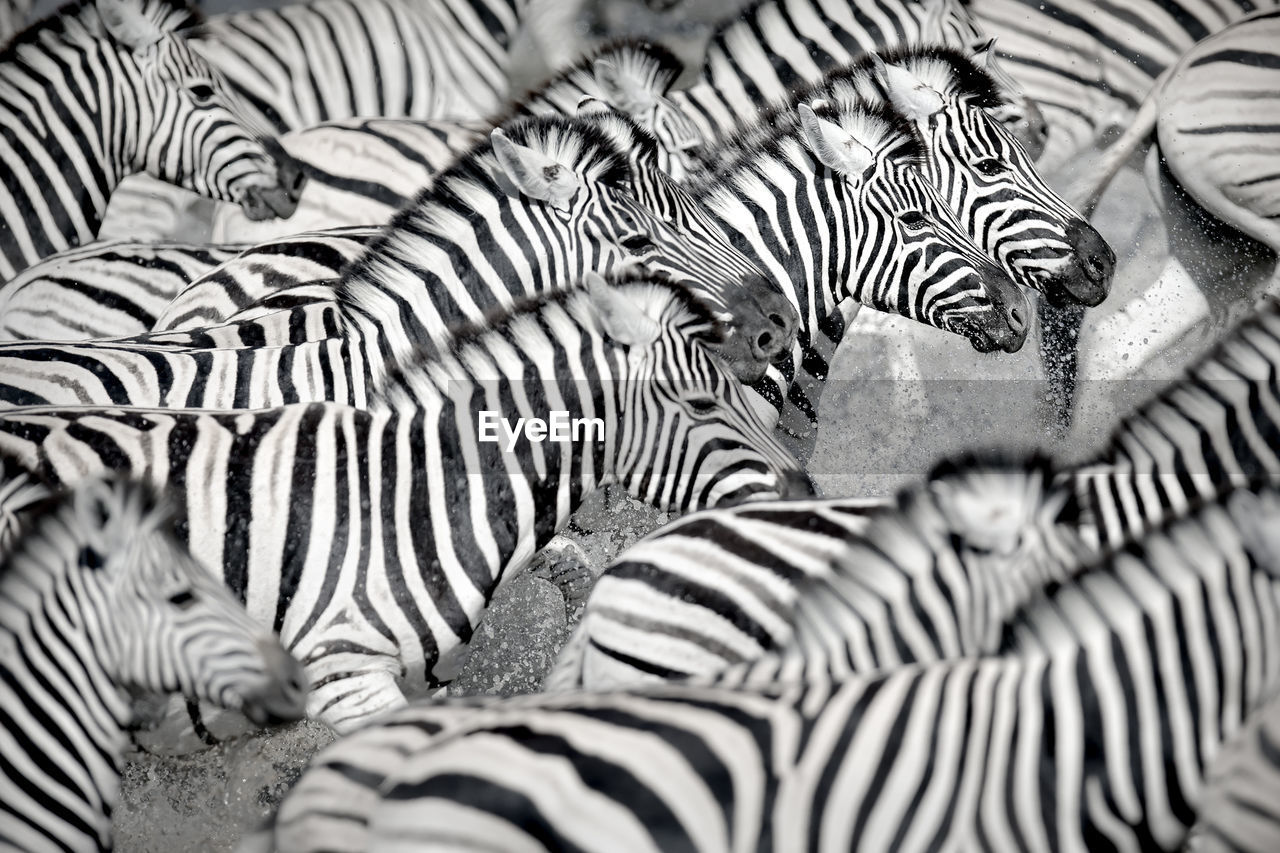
x=777, y=135
x=651, y=63
x=660, y=294
x=448, y=205
x=945, y=69
x=79, y=22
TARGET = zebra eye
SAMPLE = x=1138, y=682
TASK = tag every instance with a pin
x=637, y=244
x=202, y=93
x=702, y=405
x=989, y=167
x=90, y=559
x=912, y=220
x=183, y=599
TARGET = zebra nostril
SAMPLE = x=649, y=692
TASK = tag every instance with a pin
x=778, y=320
x=764, y=342
x=1016, y=319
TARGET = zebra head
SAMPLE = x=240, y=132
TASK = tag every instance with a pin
x=949, y=22
x=986, y=176
x=911, y=256
x=579, y=186
x=761, y=320
x=157, y=620
x=687, y=438
x=988, y=531
x=630, y=76
x=189, y=129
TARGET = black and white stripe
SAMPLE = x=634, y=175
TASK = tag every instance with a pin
x=845, y=585
x=1093, y=731
x=371, y=539
x=470, y=245
x=98, y=602
x=1088, y=66
x=139, y=100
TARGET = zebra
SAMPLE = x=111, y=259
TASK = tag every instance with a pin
x=712, y=591
x=100, y=602
x=157, y=106
x=103, y=289
x=773, y=47
x=1215, y=429
x=1216, y=194
x=398, y=297
x=931, y=575
x=371, y=539
x=1093, y=730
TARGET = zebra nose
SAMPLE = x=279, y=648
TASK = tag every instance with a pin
x=779, y=321
x=283, y=698
x=1017, y=320
x=797, y=484
x=1096, y=264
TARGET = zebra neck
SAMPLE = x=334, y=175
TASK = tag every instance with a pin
x=788, y=218
x=65, y=710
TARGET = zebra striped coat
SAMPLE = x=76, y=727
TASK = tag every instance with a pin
x=373, y=539
x=1088, y=66
x=311, y=62
x=774, y=47
x=1088, y=735
x=97, y=600
x=839, y=585
x=362, y=171
x=118, y=69
x=494, y=229
x=986, y=177
x=104, y=289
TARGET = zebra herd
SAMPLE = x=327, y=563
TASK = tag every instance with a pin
x=316, y=333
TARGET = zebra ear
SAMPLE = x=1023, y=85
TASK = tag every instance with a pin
x=128, y=24
x=910, y=95
x=626, y=93
x=622, y=320
x=834, y=146
x=534, y=174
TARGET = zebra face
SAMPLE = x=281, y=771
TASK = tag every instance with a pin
x=687, y=437
x=1021, y=223
x=919, y=262
x=199, y=141
x=174, y=627
x=637, y=219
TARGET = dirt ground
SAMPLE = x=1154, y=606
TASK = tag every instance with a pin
x=877, y=433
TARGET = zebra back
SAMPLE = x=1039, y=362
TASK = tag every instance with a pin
x=1215, y=429
x=1087, y=67
x=138, y=100
x=99, y=601
x=102, y=290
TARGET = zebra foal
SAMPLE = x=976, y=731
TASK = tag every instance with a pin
x=372, y=539
x=105, y=89
x=1093, y=731
x=99, y=602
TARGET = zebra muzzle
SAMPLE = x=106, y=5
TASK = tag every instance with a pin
x=283, y=696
